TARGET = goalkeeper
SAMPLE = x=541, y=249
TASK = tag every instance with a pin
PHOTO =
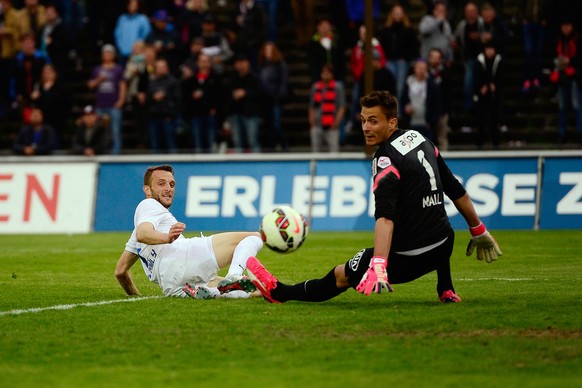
x=412, y=233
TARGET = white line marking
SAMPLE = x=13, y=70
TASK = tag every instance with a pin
x=71, y=306
x=500, y=279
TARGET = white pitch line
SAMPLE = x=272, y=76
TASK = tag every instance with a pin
x=501, y=279
x=71, y=306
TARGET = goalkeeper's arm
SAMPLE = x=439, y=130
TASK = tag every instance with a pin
x=487, y=247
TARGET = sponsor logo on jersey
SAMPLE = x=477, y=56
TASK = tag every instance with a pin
x=432, y=200
x=355, y=261
x=407, y=141
x=383, y=162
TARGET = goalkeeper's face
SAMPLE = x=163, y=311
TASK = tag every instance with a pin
x=162, y=187
x=376, y=127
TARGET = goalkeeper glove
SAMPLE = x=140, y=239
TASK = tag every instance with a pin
x=375, y=277
x=487, y=247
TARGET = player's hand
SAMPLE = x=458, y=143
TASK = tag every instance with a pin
x=175, y=231
x=375, y=277
x=487, y=247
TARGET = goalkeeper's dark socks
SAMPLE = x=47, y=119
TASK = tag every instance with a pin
x=314, y=290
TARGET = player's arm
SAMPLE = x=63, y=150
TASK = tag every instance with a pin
x=383, y=236
x=465, y=206
x=147, y=234
x=122, y=273
x=485, y=244
x=376, y=276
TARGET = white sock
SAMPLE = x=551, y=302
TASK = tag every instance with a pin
x=249, y=246
x=236, y=294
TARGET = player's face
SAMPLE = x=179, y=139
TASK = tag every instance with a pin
x=162, y=187
x=376, y=127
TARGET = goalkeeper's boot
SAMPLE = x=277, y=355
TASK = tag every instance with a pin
x=197, y=292
x=449, y=296
x=261, y=278
x=236, y=283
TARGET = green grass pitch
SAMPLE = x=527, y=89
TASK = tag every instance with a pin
x=520, y=323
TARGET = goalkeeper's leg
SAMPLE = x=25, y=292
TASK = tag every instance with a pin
x=313, y=290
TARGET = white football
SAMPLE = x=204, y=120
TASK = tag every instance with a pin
x=284, y=229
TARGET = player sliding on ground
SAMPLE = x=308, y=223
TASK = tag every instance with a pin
x=183, y=266
x=412, y=234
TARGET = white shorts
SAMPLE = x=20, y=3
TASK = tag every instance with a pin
x=193, y=261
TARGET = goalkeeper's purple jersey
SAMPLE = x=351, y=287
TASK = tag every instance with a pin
x=410, y=179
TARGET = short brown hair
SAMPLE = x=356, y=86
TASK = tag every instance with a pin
x=148, y=174
x=386, y=101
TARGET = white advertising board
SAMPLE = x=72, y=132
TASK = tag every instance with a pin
x=47, y=197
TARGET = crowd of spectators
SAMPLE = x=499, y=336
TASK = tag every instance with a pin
x=174, y=71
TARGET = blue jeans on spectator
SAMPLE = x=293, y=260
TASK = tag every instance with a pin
x=270, y=7
x=469, y=80
x=245, y=125
x=116, y=116
x=73, y=14
x=275, y=133
x=166, y=127
x=569, y=95
x=203, y=132
x=533, y=41
x=399, y=69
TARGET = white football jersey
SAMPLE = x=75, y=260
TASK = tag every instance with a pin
x=150, y=210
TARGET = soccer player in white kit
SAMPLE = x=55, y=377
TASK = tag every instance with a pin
x=182, y=266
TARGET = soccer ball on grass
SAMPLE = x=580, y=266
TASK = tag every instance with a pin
x=284, y=229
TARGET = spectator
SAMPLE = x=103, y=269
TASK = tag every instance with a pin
x=9, y=46
x=274, y=78
x=189, y=23
x=201, y=99
x=131, y=27
x=190, y=65
x=534, y=31
x=303, y=19
x=400, y=44
x=215, y=44
x=249, y=30
x=440, y=75
x=135, y=67
x=89, y=138
x=35, y=138
x=495, y=29
x=110, y=91
x=435, y=32
x=74, y=18
x=327, y=106
x=29, y=64
x=32, y=18
x=488, y=84
x=164, y=39
x=357, y=66
x=163, y=107
x=324, y=49
x=383, y=79
x=54, y=99
x=468, y=36
x=355, y=10
x=102, y=18
x=567, y=75
x=270, y=8
x=421, y=101
x=244, y=109
x=54, y=41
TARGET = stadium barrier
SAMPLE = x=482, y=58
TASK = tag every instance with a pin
x=70, y=194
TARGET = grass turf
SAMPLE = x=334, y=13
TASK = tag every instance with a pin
x=520, y=323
